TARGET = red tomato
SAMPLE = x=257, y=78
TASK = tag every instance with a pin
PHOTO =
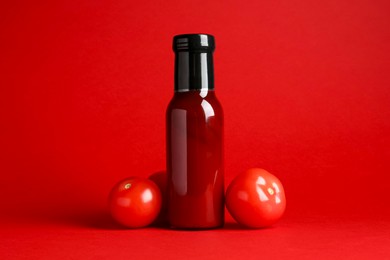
x=160, y=179
x=256, y=198
x=135, y=202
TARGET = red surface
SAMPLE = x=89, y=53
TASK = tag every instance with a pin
x=305, y=90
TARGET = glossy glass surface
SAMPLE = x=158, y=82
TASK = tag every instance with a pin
x=195, y=160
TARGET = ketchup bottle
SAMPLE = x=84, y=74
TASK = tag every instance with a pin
x=194, y=135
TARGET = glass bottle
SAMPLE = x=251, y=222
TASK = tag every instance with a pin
x=194, y=135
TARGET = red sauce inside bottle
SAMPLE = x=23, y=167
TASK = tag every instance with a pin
x=195, y=160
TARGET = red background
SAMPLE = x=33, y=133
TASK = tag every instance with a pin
x=83, y=91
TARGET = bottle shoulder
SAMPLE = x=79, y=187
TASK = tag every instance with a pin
x=194, y=103
x=192, y=99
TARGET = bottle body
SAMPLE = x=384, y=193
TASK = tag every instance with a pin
x=195, y=168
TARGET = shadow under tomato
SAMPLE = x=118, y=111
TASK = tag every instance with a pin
x=232, y=226
x=101, y=219
x=98, y=219
x=235, y=226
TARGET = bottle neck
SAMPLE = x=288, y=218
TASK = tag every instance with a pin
x=194, y=71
